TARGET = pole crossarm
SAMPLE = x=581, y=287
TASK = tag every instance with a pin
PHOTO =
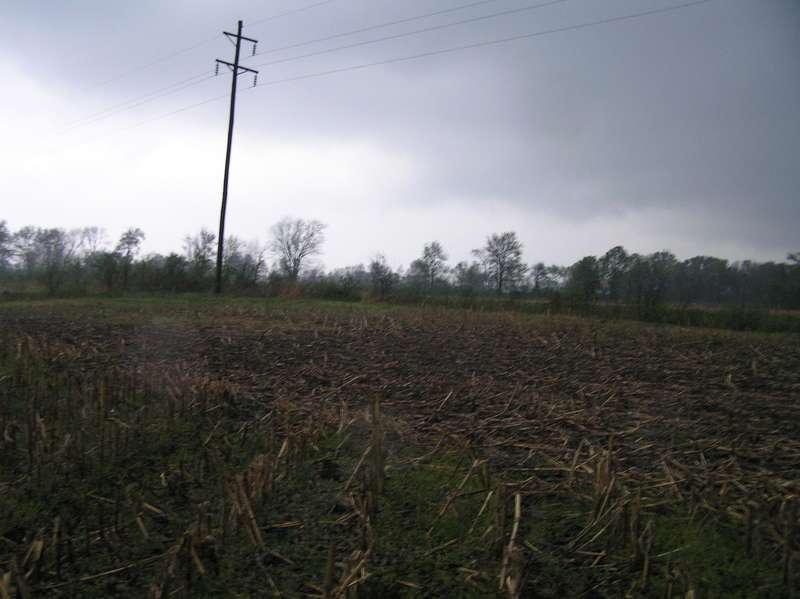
x=239, y=36
x=241, y=68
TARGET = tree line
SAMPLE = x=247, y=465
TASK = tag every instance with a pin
x=81, y=261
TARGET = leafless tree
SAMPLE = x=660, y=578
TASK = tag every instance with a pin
x=92, y=239
x=294, y=240
x=431, y=266
x=502, y=260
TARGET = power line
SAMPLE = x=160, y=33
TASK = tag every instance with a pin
x=111, y=80
x=146, y=66
x=98, y=116
x=127, y=127
x=291, y=12
x=374, y=27
x=395, y=60
x=416, y=32
x=481, y=44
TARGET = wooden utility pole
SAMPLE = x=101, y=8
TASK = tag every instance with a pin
x=236, y=70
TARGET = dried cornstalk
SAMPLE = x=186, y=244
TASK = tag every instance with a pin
x=330, y=566
x=350, y=575
x=513, y=559
x=357, y=468
x=480, y=512
x=646, y=543
x=5, y=585
x=250, y=515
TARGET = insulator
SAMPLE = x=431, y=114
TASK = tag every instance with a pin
x=255, y=78
x=254, y=48
x=216, y=70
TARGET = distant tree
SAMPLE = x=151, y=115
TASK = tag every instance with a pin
x=294, y=241
x=6, y=250
x=559, y=275
x=382, y=277
x=56, y=249
x=539, y=276
x=106, y=268
x=703, y=280
x=347, y=284
x=92, y=239
x=127, y=248
x=584, y=280
x=26, y=249
x=243, y=263
x=614, y=266
x=502, y=260
x=792, y=292
x=431, y=266
x=89, y=243
x=175, y=276
x=200, y=253
x=650, y=281
x=469, y=278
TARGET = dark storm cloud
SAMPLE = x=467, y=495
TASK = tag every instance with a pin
x=689, y=108
x=692, y=110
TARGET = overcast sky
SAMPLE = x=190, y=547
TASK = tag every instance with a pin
x=575, y=123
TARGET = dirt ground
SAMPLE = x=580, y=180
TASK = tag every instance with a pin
x=517, y=391
x=696, y=419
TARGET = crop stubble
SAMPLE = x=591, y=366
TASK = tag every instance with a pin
x=632, y=420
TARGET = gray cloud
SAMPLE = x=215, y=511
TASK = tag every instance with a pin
x=692, y=111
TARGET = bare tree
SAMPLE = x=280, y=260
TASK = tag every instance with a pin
x=502, y=260
x=431, y=266
x=92, y=240
x=294, y=241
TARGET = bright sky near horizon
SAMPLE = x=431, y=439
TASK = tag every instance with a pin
x=578, y=124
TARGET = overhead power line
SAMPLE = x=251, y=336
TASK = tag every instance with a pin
x=374, y=27
x=291, y=12
x=478, y=44
x=146, y=66
x=111, y=80
x=124, y=106
x=103, y=114
x=127, y=127
x=415, y=32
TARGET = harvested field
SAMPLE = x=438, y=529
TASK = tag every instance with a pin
x=244, y=448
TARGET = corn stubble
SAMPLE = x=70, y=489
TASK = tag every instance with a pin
x=162, y=475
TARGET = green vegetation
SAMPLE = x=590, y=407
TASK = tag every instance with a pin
x=702, y=291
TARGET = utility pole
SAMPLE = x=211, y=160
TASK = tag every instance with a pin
x=236, y=70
